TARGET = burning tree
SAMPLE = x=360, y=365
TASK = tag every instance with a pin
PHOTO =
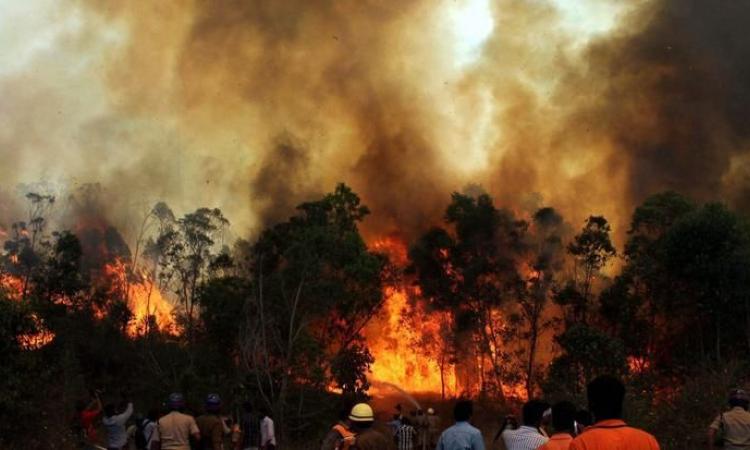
x=315, y=286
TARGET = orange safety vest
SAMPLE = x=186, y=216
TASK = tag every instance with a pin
x=347, y=437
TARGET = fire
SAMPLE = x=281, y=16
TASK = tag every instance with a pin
x=405, y=340
x=13, y=290
x=144, y=298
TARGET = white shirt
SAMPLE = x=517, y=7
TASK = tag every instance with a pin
x=523, y=438
x=267, y=432
x=117, y=435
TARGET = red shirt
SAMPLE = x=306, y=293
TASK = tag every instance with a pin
x=614, y=435
x=87, y=422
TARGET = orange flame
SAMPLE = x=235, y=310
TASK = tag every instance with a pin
x=13, y=289
x=398, y=337
x=145, y=300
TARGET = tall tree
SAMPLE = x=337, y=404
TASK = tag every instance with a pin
x=316, y=285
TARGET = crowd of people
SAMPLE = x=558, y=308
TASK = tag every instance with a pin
x=175, y=430
x=541, y=427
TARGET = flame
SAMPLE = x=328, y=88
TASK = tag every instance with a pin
x=396, y=337
x=144, y=298
x=13, y=289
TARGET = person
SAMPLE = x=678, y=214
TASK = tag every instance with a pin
x=510, y=422
x=267, y=431
x=583, y=421
x=86, y=415
x=563, y=424
x=732, y=428
x=175, y=429
x=529, y=435
x=433, y=428
x=395, y=425
x=210, y=425
x=609, y=432
x=461, y=436
x=250, y=426
x=114, y=422
x=145, y=430
x=340, y=436
x=405, y=436
x=362, y=420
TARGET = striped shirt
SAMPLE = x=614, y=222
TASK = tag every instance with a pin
x=524, y=438
x=405, y=437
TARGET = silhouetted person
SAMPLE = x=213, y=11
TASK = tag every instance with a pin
x=367, y=437
x=529, y=435
x=340, y=436
x=732, y=428
x=175, y=430
x=461, y=436
x=563, y=424
x=583, y=421
x=250, y=426
x=114, y=422
x=609, y=432
x=210, y=424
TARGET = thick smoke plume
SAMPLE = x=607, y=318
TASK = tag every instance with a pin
x=254, y=106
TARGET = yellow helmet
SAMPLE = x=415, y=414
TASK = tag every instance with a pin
x=362, y=412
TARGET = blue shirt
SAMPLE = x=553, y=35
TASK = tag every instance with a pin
x=461, y=436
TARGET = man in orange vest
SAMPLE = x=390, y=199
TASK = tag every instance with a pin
x=609, y=432
x=340, y=437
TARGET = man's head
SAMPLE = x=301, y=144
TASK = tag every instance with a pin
x=533, y=412
x=564, y=417
x=213, y=403
x=153, y=414
x=463, y=410
x=80, y=406
x=739, y=398
x=110, y=410
x=176, y=402
x=361, y=416
x=606, y=395
x=247, y=407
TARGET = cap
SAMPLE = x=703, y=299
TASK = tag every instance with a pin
x=213, y=401
x=362, y=412
x=739, y=394
x=176, y=400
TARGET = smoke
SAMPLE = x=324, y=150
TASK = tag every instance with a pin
x=255, y=106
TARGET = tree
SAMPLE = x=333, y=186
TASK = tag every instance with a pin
x=470, y=274
x=546, y=259
x=315, y=286
x=591, y=249
x=185, y=250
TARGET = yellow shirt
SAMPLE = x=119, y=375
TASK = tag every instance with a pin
x=736, y=424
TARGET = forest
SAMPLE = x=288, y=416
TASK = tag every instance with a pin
x=529, y=305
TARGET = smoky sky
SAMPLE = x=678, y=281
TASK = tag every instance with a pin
x=255, y=106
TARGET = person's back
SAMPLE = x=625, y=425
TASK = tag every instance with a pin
x=175, y=430
x=733, y=426
x=114, y=423
x=250, y=426
x=371, y=439
x=606, y=395
x=564, y=425
x=462, y=435
x=527, y=436
x=211, y=430
x=405, y=436
x=614, y=434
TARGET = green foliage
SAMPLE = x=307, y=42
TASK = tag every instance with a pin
x=586, y=352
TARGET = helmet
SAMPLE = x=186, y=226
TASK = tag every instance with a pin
x=430, y=411
x=176, y=400
x=739, y=394
x=362, y=412
x=213, y=402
